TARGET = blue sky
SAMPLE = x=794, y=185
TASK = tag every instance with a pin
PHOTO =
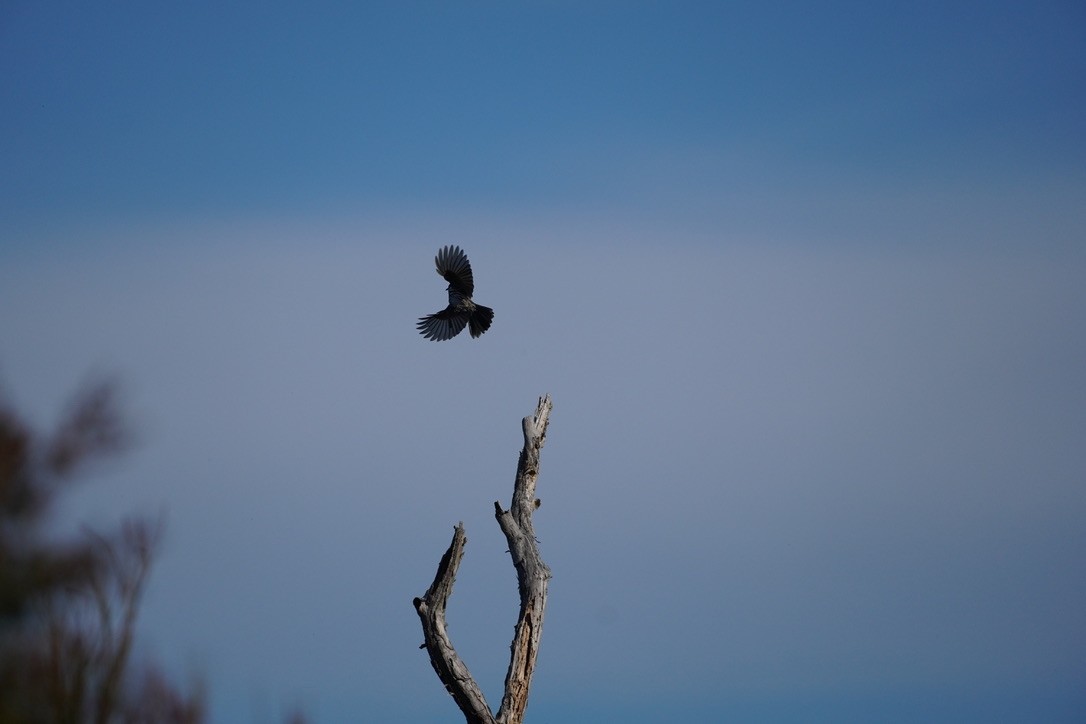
x=806, y=285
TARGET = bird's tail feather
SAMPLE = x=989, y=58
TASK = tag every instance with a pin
x=480, y=320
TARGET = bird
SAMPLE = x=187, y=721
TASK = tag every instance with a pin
x=452, y=264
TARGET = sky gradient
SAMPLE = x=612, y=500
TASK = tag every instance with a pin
x=807, y=286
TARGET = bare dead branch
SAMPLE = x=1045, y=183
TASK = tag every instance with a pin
x=532, y=572
x=450, y=668
x=532, y=577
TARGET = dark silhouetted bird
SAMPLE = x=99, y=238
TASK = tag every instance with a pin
x=453, y=264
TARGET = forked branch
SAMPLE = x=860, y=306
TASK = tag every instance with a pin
x=532, y=577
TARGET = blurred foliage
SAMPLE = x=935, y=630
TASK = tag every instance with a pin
x=68, y=609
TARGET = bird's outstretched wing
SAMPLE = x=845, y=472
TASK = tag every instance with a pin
x=442, y=325
x=452, y=264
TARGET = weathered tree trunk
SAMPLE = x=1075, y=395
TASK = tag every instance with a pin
x=532, y=577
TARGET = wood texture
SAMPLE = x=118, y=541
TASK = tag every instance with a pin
x=450, y=668
x=532, y=577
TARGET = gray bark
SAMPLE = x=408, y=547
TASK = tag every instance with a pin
x=532, y=577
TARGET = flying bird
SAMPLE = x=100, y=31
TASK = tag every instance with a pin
x=462, y=312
